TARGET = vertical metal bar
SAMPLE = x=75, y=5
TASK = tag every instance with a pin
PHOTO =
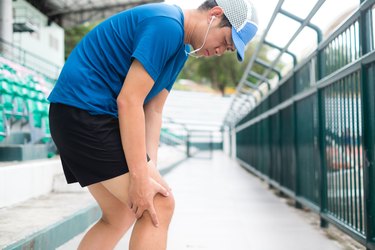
x=368, y=136
x=347, y=44
x=335, y=148
x=297, y=189
x=331, y=151
x=188, y=144
x=368, y=117
x=329, y=53
x=345, y=156
x=323, y=172
x=334, y=55
x=352, y=154
x=321, y=63
x=336, y=60
x=327, y=129
x=357, y=41
x=340, y=52
x=344, y=153
x=360, y=151
x=335, y=115
x=351, y=43
x=349, y=150
x=355, y=150
x=339, y=152
x=368, y=129
x=211, y=145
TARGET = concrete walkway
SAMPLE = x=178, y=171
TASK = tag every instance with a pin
x=221, y=206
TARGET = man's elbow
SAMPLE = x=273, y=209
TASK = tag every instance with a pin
x=125, y=104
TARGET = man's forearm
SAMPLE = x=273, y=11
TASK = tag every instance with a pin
x=153, y=126
x=132, y=129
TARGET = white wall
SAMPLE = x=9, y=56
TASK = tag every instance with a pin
x=47, y=42
x=22, y=181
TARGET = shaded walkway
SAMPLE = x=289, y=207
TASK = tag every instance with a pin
x=221, y=206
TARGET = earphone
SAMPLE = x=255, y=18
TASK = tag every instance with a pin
x=204, y=42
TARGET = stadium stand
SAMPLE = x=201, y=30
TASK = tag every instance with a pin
x=23, y=111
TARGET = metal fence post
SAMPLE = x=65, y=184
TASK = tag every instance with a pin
x=188, y=143
x=368, y=154
x=323, y=168
x=368, y=126
x=321, y=143
x=211, y=145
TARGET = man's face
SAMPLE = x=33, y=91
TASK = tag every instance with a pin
x=219, y=40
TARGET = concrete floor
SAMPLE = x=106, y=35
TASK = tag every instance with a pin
x=220, y=206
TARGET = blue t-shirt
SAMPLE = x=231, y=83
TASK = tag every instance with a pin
x=94, y=73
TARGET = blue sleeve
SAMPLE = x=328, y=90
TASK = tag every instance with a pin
x=156, y=41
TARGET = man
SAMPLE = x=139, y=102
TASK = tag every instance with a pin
x=106, y=109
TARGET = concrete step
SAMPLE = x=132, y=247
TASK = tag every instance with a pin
x=46, y=222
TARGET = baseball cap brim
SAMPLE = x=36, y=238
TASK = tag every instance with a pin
x=242, y=37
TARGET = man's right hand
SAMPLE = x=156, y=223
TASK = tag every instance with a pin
x=142, y=190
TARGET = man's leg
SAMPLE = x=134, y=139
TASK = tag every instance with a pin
x=116, y=219
x=145, y=235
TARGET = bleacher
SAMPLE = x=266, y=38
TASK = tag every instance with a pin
x=23, y=113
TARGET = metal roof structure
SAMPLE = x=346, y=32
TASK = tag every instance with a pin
x=69, y=13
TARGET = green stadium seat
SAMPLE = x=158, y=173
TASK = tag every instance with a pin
x=19, y=102
x=30, y=83
x=47, y=133
x=37, y=109
x=6, y=93
x=2, y=124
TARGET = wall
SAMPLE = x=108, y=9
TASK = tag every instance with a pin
x=47, y=42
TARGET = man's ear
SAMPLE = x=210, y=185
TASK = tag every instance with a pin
x=216, y=11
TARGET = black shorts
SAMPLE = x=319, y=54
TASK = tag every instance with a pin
x=89, y=145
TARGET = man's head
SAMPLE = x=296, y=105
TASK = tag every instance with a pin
x=237, y=19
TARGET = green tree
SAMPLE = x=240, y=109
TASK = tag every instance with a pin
x=220, y=72
x=74, y=34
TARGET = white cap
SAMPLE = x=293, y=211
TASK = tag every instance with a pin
x=242, y=16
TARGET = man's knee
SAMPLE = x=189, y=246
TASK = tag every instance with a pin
x=164, y=207
x=119, y=219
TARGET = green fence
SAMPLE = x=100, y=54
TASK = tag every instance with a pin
x=313, y=136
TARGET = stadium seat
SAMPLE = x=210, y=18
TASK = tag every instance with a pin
x=6, y=92
x=2, y=124
x=19, y=110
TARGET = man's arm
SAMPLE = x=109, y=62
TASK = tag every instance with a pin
x=153, y=115
x=142, y=188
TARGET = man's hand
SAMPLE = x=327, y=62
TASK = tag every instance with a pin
x=142, y=190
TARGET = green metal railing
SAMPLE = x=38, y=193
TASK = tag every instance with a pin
x=313, y=136
x=190, y=141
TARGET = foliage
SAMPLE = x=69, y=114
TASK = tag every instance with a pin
x=221, y=72
x=74, y=34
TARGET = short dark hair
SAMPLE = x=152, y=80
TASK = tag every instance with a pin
x=209, y=4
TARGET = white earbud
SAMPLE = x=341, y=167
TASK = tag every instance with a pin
x=192, y=53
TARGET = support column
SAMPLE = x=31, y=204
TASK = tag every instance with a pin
x=6, y=22
x=233, y=142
